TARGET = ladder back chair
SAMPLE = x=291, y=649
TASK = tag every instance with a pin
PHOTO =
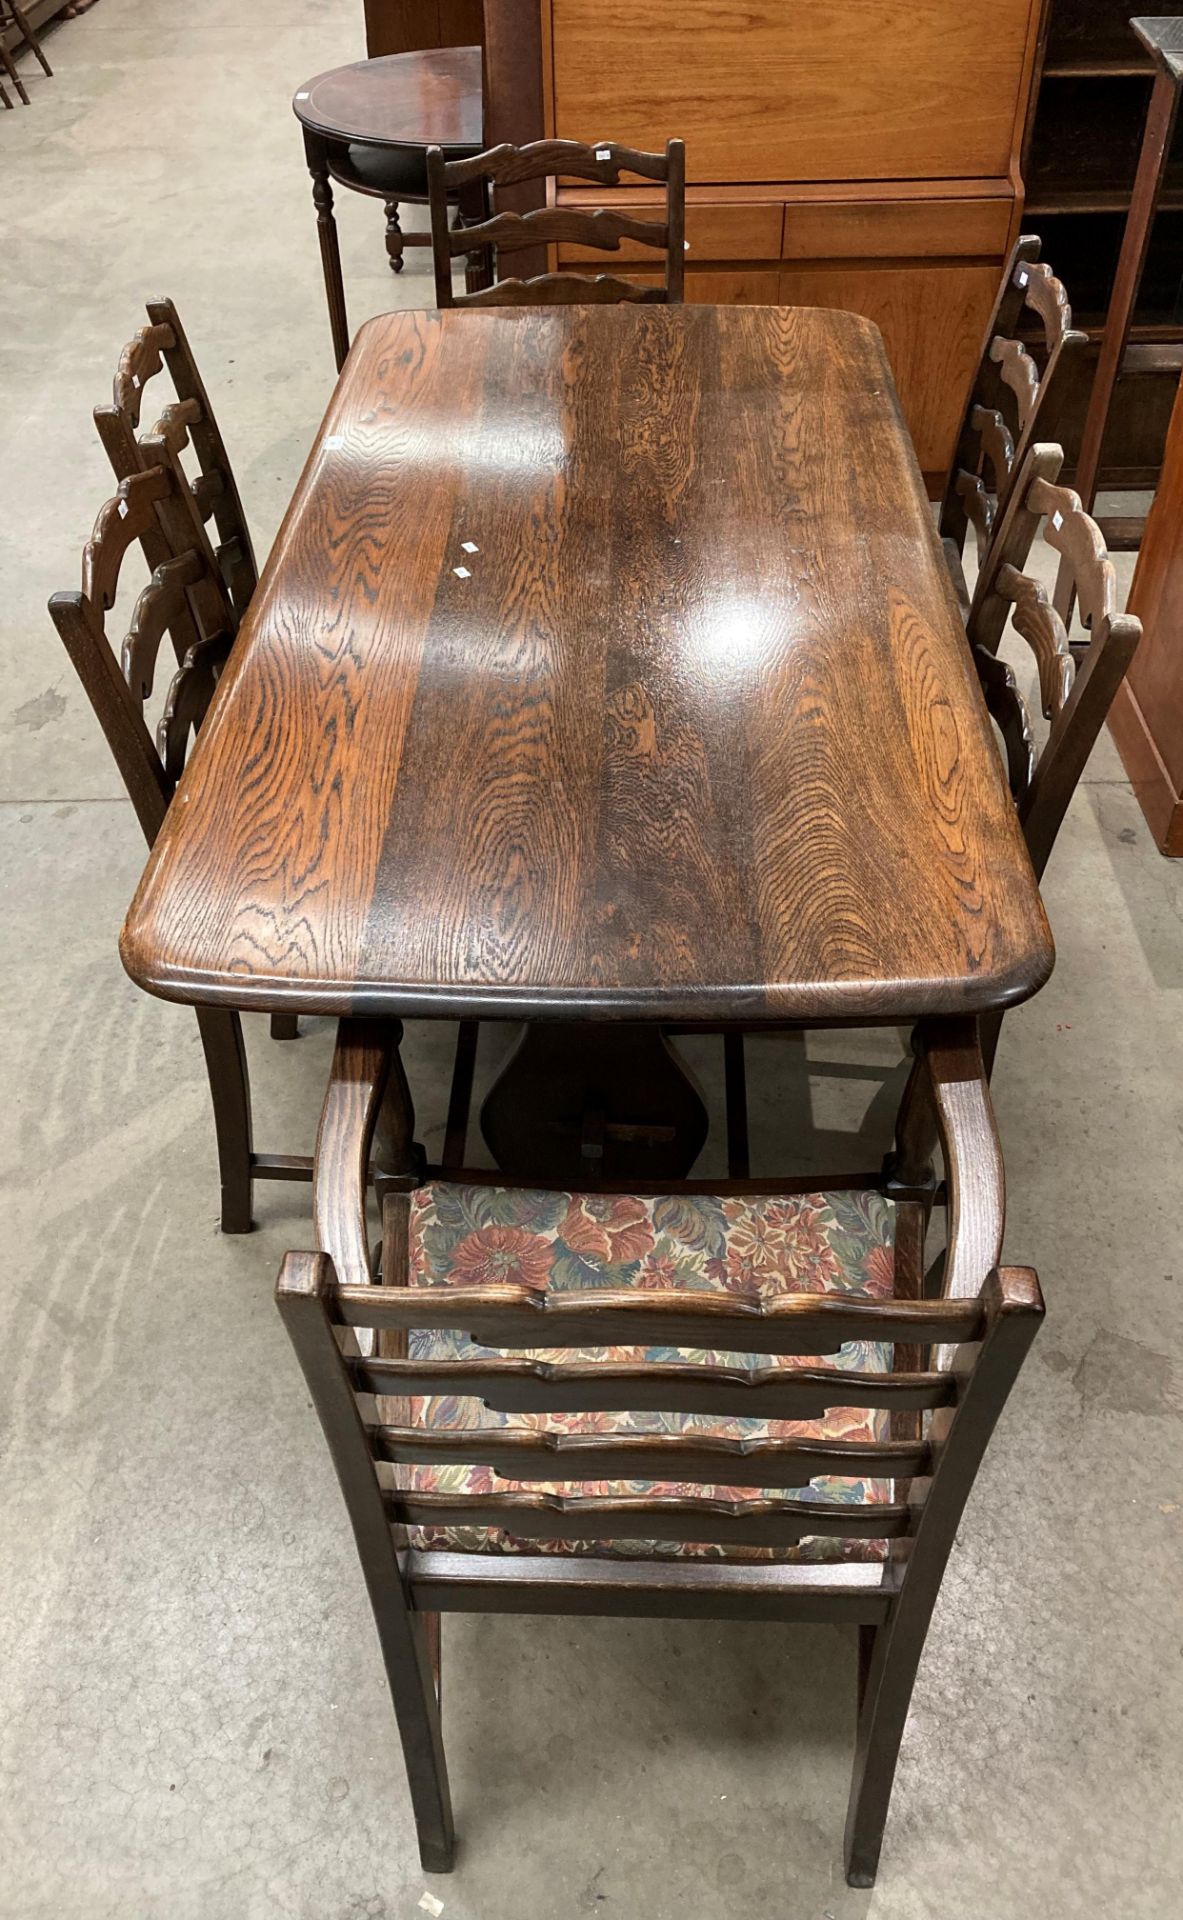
x=703, y=1402
x=186, y=421
x=1013, y=398
x=189, y=418
x=185, y=600
x=507, y=232
x=1077, y=678
x=14, y=15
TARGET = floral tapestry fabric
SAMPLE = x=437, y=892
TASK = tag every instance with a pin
x=835, y=1242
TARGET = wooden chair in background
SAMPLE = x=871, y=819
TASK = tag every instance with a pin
x=13, y=15
x=1011, y=403
x=211, y=495
x=600, y=1403
x=185, y=599
x=213, y=492
x=1078, y=679
x=508, y=232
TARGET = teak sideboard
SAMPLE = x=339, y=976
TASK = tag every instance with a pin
x=840, y=153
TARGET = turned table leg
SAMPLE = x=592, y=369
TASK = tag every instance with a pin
x=394, y=237
x=330, y=251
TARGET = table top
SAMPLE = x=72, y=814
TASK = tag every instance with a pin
x=428, y=99
x=605, y=665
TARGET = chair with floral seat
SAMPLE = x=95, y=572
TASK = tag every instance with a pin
x=728, y=1403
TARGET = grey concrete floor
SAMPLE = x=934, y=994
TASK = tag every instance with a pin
x=194, y=1721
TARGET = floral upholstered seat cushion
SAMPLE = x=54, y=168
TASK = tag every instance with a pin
x=838, y=1242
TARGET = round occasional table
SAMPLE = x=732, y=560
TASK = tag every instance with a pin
x=368, y=126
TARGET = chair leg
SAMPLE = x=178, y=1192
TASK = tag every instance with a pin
x=888, y=1662
x=22, y=21
x=9, y=65
x=4, y=100
x=394, y=237
x=285, y=1026
x=229, y=1085
x=330, y=249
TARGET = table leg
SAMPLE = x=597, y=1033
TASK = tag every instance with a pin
x=330, y=251
x=394, y=237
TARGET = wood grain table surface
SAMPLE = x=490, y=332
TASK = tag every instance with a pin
x=605, y=666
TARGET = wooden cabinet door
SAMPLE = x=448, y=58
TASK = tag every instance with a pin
x=799, y=89
x=932, y=319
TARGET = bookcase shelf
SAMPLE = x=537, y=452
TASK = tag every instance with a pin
x=1080, y=154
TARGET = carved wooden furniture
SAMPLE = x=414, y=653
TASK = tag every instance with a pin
x=1011, y=403
x=707, y=1403
x=509, y=233
x=404, y=26
x=368, y=127
x=213, y=493
x=862, y=156
x=14, y=20
x=601, y=630
x=1080, y=162
x=1147, y=718
x=185, y=599
x=1077, y=681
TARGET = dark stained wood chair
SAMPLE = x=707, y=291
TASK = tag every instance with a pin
x=14, y=15
x=729, y=1403
x=1012, y=402
x=1078, y=679
x=185, y=599
x=210, y=495
x=508, y=232
x=212, y=492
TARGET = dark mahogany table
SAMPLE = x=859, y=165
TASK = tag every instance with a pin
x=605, y=670
x=368, y=126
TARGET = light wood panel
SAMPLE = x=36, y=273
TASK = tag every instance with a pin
x=747, y=230
x=836, y=89
x=872, y=229
x=932, y=319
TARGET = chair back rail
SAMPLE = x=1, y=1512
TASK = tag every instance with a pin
x=213, y=493
x=507, y=232
x=117, y=683
x=1013, y=397
x=1077, y=680
x=508, y=1384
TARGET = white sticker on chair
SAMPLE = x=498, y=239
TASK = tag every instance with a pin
x=123, y=509
x=603, y=153
x=1022, y=276
x=1057, y=520
x=469, y=546
x=135, y=379
x=462, y=573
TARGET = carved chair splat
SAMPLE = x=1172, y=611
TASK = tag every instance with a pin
x=506, y=232
x=1012, y=399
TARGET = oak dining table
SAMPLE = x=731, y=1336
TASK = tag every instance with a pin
x=605, y=675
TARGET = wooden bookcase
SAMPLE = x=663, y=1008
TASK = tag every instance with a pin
x=1079, y=155
x=845, y=153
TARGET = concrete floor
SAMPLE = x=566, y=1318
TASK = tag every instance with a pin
x=194, y=1722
